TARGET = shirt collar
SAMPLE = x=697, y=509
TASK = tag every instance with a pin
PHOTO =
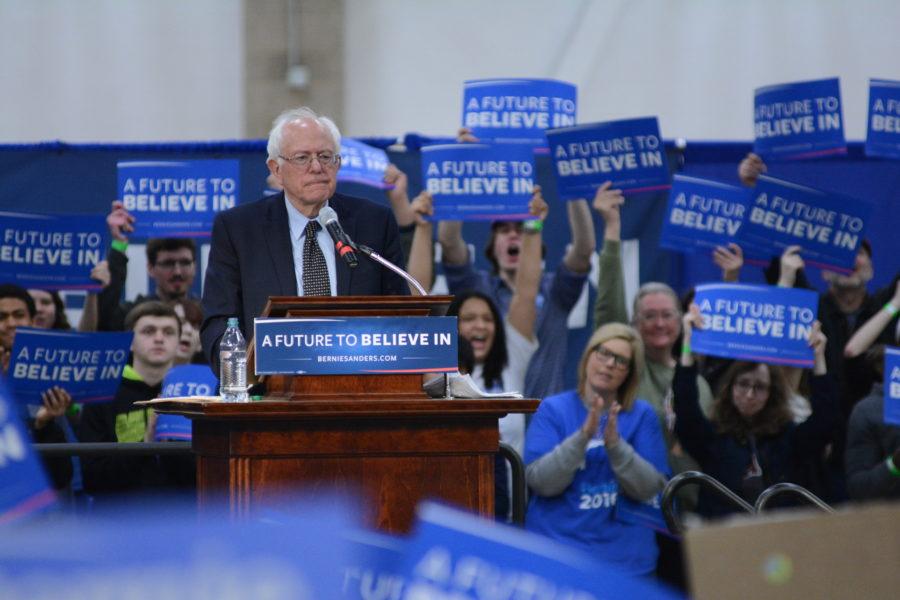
x=297, y=220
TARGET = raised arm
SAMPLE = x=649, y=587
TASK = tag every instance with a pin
x=750, y=169
x=730, y=259
x=791, y=264
x=398, y=195
x=610, y=304
x=869, y=331
x=91, y=313
x=421, y=259
x=581, y=225
x=522, y=305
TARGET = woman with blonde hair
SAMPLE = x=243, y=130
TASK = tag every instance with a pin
x=591, y=449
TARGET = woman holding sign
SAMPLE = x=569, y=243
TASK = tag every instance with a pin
x=751, y=441
x=596, y=458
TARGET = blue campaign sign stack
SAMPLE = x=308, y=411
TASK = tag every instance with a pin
x=373, y=566
x=180, y=382
x=517, y=110
x=361, y=163
x=892, y=386
x=53, y=252
x=177, y=198
x=629, y=153
x=756, y=322
x=883, y=129
x=24, y=488
x=828, y=227
x=702, y=214
x=472, y=182
x=88, y=365
x=799, y=120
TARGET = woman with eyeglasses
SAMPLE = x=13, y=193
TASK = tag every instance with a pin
x=751, y=441
x=595, y=454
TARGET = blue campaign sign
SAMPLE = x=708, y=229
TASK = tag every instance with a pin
x=629, y=153
x=458, y=555
x=87, y=365
x=799, y=120
x=177, y=198
x=756, y=322
x=53, y=252
x=472, y=182
x=361, y=163
x=892, y=386
x=355, y=345
x=883, y=130
x=183, y=381
x=517, y=110
x=23, y=486
x=702, y=214
x=828, y=227
x=373, y=568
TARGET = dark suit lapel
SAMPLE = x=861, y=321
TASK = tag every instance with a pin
x=278, y=241
x=348, y=223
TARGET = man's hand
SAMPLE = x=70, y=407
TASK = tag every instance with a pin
x=750, y=169
x=119, y=221
x=791, y=263
x=608, y=203
x=537, y=206
x=465, y=136
x=398, y=195
x=55, y=403
x=730, y=260
x=100, y=273
x=422, y=206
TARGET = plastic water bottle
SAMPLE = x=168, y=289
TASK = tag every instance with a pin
x=233, y=364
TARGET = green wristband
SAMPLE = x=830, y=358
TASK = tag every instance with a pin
x=892, y=310
x=892, y=467
x=120, y=245
x=685, y=348
x=533, y=226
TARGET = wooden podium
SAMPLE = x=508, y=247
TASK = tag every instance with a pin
x=377, y=438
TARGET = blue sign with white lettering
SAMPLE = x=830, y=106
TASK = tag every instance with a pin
x=629, y=153
x=52, y=252
x=183, y=381
x=355, y=345
x=828, y=227
x=361, y=163
x=471, y=182
x=892, y=386
x=177, y=198
x=756, y=322
x=799, y=120
x=374, y=566
x=458, y=555
x=87, y=365
x=23, y=486
x=883, y=131
x=702, y=214
x=517, y=110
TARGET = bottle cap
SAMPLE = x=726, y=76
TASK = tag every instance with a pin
x=232, y=321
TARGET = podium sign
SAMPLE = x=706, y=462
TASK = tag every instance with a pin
x=355, y=345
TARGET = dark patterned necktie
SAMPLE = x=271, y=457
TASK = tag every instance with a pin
x=315, y=271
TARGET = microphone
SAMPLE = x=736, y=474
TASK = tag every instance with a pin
x=342, y=242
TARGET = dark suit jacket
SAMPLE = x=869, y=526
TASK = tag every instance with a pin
x=251, y=258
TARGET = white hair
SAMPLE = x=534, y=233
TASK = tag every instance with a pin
x=296, y=114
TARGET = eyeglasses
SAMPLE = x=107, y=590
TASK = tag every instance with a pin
x=746, y=387
x=170, y=264
x=665, y=315
x=617, y=360
x=304, y=161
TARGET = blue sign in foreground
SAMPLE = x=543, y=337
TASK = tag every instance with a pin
x=177, y=198
x=51, y=252
x=629, y=153
x=702, y=214
x=883, y=131
x=183, y=381
x=87, y=365
x=355, y=345
x=361, y=163
x=756, y=322
x=892, y=386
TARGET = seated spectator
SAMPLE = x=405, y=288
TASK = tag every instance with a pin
x=873, y=446
x=588, y=449
x=190, y=314
x=751, y=440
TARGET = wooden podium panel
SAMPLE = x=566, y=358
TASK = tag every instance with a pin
x=390, y=454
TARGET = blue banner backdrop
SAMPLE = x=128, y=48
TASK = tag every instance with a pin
x=883, y=128
x=361, y=163
x=702, y=214
x=892, y=386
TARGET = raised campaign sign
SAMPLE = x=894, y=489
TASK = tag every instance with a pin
x=517, y=110
x=799, y=120
x=702, y=214
x=51, y=252
x=471, y=182
x=183, y=381
x=361, y=163
x=355, y=345
x=892, y=386
x=883, y=130
x=756, y=322
x=177, y=198
x=87, y=365
x=828, y=227
x=629, y=153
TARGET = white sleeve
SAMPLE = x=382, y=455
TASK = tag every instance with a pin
x=519, y=350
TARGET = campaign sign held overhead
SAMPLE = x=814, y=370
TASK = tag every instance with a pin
x=629, y=153
x=828, y=227
x=756, y=322
x=53, y=252
x=883, y=130
x=517, y=110
x=372, y=568
x=183, y=381
x=361, y=163
x=702, y=214
x=177, y=198
x=799, y=120
x=355, y=345
x=472, y=182
x=24, y=488
x=87, y=365
x=892, y=386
